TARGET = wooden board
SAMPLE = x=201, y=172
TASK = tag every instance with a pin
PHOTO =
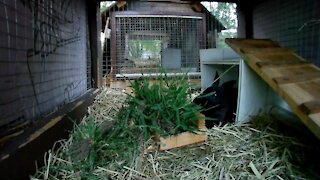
x=185, y=138
x=292, y=77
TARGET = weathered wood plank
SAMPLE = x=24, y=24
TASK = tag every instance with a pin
x=253, y=43
x=276, y=57
x=297, y=78
x=180, y=140
x=274, y=50
x=301, y=64
x=290, y=70
x=277, y=63
x=311, y=107
x=185, y=138
x=297, y=94
x=293, y=74
x=315, y=118
x=312, y=87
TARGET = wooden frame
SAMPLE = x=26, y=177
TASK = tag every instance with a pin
x=147, y=14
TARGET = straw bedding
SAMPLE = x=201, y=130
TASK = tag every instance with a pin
x=259, y=150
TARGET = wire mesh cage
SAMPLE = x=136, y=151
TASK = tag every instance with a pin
x=145, y=44
x=140, y=38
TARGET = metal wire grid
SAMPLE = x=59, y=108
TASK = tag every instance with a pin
x=295, y=24
x=41, y=45
x=188, y=46
x=177, y=33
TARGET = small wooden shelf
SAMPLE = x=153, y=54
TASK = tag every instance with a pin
x=181, y=140
x=185, y=138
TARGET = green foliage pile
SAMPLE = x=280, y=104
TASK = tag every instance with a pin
x=77, y=157
x=163, y=107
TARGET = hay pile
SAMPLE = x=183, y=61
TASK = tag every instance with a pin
x=250, y=151
x=107, y=104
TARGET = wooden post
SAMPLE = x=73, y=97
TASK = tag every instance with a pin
x=245, y=19
x=94, y=20
x=113, y=46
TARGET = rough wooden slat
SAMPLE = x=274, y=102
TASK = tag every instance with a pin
x=311, y=107
x=180, y=140
x=289, y=70
x=278, y=63
x=253, y=43
x=297, y=78
x=299, y=93
x=312, y=87
x=296, y=93
x=315, y=118
x=299, y=64
x=273, y=59
x=277, y=57
x=293, y=74
x=185, y=138
x=274, y=50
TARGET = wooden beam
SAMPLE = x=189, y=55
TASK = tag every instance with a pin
x=196, y=6
x=141, y=13
x=113, y=46
x=94, y=20
x=185, y=138
x=18, y=157
x=245, y=19
x=311, y=107
x=279, y=63
x=308, y=76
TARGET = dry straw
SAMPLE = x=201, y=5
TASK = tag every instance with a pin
x=250, y=151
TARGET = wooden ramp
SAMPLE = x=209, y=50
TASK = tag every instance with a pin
x=294, y=79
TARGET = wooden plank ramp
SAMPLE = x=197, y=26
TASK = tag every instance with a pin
x=292, y=77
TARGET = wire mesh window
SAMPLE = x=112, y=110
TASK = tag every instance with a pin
x=144, y=44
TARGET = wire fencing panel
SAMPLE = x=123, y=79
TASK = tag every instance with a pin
x=157, y=36
x=43, y=63
x=295, y=24
x=144, y=44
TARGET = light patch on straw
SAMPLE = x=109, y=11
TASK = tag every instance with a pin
x=132, y=170
x=255, y=170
